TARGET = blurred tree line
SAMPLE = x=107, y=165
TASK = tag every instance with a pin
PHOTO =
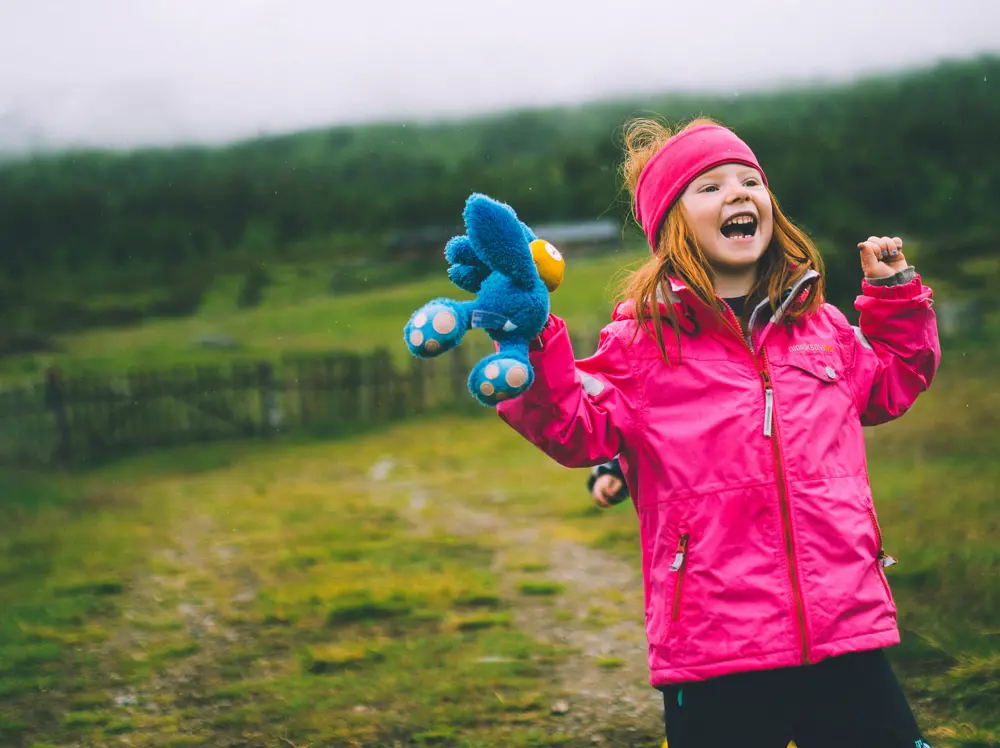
x=914, y=153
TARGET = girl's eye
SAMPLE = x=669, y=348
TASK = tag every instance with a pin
x=751, y=183
x=709, y=188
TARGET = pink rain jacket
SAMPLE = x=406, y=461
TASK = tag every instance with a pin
x=746, y=464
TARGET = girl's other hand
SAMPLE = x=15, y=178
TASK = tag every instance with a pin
x=606, y=487
x=882, y=257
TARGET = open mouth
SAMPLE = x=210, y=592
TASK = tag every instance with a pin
x=740, y=226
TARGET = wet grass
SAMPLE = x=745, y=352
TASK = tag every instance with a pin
x=280, y=595
x=295, y=319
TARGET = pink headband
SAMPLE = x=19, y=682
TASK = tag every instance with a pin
x=677, y=163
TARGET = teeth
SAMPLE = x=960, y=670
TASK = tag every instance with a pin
x=744, y=225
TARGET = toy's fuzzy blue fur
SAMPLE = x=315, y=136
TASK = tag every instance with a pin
x=492, y=260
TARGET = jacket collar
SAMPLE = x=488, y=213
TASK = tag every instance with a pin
x=679, y=295
x=792, y=296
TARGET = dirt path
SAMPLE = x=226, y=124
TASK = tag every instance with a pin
x=598, y=614
x=171, y=610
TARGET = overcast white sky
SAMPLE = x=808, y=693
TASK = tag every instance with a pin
x=125, y=72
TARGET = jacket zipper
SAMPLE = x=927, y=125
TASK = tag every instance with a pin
x=786, y=515
x=678, y=566
x=771, y=432
x=878, y=530
x=882, y=558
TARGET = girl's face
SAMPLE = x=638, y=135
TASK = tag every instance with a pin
x=730, y=212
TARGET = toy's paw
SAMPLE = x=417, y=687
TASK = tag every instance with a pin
x=467, y=271
x=499, y=377
x=468, y=277
x=433, y=329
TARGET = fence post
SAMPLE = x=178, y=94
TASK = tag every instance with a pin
x=459, y=372
x=55, y=400
x=350, y=405
x=380, y=381
x=400, y=393
x=270, y=415
x=418, y=401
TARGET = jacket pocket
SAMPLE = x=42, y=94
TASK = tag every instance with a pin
x=882, y=559
x=814, y=387
x=679, y=567
x=821, y=369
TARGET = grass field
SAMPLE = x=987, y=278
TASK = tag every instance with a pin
x=296, y=316
x=439, y=583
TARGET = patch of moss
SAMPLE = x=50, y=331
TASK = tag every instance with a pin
x=540, y=588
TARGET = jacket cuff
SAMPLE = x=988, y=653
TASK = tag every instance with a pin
x=912, y=288
x=610, y=467
x=548, y=331
x=903, y=277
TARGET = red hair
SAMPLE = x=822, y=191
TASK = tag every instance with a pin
x=787, y=258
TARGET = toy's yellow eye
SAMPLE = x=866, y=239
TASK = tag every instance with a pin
x=550, y=263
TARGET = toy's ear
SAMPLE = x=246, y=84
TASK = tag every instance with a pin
x=498, y=239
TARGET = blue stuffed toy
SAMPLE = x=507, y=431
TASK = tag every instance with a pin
x=512, y=272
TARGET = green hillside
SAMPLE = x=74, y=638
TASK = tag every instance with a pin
x=98, y=238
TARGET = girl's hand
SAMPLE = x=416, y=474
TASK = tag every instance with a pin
x=882, y=257
x=606, y=487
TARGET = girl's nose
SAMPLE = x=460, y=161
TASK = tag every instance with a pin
x=738, y=193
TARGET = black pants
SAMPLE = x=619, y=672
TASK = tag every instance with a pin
x=851, y=701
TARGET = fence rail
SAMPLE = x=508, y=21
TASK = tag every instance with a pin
x=84, y=420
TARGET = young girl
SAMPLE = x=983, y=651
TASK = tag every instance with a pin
x=734, y=398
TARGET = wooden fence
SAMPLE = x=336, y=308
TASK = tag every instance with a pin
x=85, y=420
